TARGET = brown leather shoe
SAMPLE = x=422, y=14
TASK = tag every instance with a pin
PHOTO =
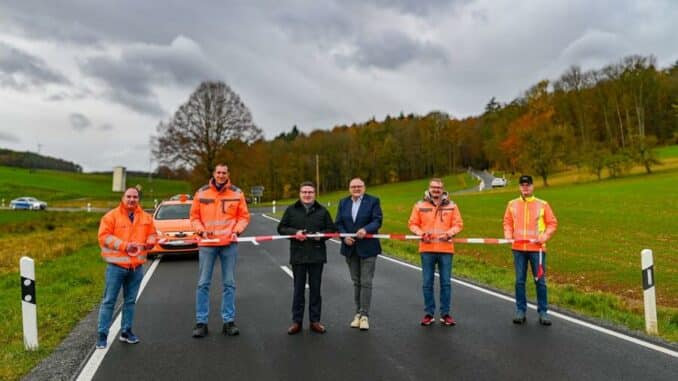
x=294, y=329
x=317, y=327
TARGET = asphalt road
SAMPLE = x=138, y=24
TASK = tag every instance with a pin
x=483, y=345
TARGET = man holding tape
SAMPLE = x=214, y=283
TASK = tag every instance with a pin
x=219, y=215
x=125, y=233
x=307, y=255
x=437, y=220
x=360, y=213
x=530, y=222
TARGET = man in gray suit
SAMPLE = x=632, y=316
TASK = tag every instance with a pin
x=360, y=213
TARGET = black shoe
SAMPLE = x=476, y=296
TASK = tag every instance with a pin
x=200, y=330
x=230, y=329
x=519, y=318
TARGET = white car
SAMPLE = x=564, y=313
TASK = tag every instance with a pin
x=498, y=182
x=30, y=203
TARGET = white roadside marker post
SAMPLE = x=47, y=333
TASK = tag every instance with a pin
x=649, y=298
x=28, y=304
x=273, y=207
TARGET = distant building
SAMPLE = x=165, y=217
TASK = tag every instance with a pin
x=119, y=179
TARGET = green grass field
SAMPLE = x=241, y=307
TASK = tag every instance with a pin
x=76, y=189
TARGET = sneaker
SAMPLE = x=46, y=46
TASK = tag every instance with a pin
x=101, y=341
x=427, y=320
x=447, y=320
x=544, y=320
x=128, y=337
x=364, y=323
x=200, y=330
x=230, y=329
x=355, y=323
x=519, y=318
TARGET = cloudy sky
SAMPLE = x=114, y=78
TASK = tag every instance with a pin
x=88, y=81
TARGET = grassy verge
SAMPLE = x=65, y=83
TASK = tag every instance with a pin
x=67, y=289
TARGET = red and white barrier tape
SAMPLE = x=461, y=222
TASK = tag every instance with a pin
x=400, y=237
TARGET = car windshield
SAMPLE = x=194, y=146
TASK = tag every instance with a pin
x=173, y=212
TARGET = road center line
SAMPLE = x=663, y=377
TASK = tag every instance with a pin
x=289, y=272
x=582, y=323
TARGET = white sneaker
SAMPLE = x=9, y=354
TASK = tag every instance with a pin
x=364, y=323
x=355, y=323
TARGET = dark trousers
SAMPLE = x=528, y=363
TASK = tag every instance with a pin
x=314, y=271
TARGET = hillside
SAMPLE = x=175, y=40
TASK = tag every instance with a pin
x=76, y=189
x=32, y=160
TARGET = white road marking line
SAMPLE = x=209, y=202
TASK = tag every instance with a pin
x=582, y=323
x=289, y=272
x=88, y=371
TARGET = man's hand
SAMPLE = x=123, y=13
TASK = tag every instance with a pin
x=133, y=249
x=426, y=237
x=444, y=237
x=349, y=241
x=300, y=235
x=150, y=243
x=361, y=233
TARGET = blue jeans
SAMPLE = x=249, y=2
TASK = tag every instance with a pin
x=228, y=256
x=520, y=259
x=129, y=280
x=428, y=264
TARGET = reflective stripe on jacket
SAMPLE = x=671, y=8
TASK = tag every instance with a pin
x=220, y=213
x=426, y=217
x=529, y=219
x=116, y=231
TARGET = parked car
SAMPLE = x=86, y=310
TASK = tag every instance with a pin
x=175, y=234
x=498, y=182
x=28, y=203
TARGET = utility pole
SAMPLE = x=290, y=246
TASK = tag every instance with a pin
x=317, y=174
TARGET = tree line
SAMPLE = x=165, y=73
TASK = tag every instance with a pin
x=603, y=120
x=32, y=160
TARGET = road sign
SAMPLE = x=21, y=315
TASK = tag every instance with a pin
x=257, y=190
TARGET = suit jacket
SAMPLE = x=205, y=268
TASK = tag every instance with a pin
x=369, y=217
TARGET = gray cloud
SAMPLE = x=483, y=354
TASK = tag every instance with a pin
x=392, y=50
x=21, y=71
x=8, y=137
x=106, y=127
x=79, y=122
x=130, y=78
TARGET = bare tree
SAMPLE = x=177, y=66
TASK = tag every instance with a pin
x=198, y=132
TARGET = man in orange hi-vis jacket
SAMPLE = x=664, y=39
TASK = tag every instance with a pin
x=219, y=215
x=530, y=222
x=125, y=233
x=436, y=219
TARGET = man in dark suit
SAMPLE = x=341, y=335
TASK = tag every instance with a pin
x=360, y=213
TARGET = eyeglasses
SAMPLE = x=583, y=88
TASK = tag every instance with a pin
x=435, y=187
x=307, y=192
x=356, y=186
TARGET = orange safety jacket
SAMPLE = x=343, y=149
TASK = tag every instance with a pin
x=528, y=219
x=116, y=232
x=219, y=213
x=427, y=217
